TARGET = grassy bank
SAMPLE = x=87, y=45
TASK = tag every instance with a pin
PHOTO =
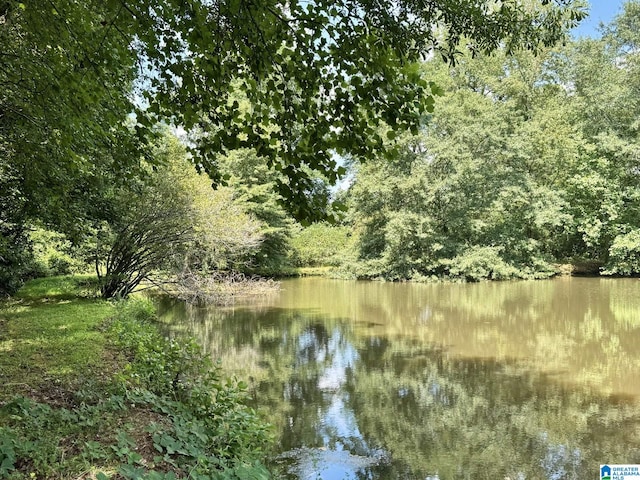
x=50, y=341
x=91, y=390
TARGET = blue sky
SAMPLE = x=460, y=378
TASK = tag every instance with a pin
x=602, y=11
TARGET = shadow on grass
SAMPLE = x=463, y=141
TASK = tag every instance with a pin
x=50, y=336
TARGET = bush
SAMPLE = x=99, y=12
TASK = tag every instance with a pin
x=210, y=430
x=321, y=245
x=53, y=253
x=482, y=263
x=17, y=263
x=624, y=255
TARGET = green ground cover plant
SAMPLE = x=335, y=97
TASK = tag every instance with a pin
x=93, y=390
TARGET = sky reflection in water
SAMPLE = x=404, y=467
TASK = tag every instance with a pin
x=524, y=380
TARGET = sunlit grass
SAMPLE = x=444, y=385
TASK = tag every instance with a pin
x=71, y=403
x=49, y=334
x=58, y=288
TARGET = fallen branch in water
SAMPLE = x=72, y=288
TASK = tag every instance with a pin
x=221, y=288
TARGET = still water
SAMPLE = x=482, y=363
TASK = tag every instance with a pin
x=367, y=380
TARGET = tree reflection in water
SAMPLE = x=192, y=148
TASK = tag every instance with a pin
x=361, y=384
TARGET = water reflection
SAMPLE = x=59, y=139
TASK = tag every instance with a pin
x=526, y=380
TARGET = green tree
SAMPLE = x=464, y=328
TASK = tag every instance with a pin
x=151, y=229
x=527, y=160
x=173, y=222
x=478, y=194
x=255, y=187
x=63, y=136
x=84, y=85
x=321, y=74
x=321, y=244
x=604, y=192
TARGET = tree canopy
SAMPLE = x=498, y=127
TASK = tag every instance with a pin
x=527, y=162
x=319, y=77
x=85, y=86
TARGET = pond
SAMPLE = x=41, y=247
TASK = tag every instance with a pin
x=502, y=380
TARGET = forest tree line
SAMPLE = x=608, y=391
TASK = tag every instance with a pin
x=527, y=162
x=463, y=165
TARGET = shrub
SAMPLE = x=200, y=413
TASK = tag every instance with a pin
x=320, y=245
x=482, y=263
x=53, y=253
x=17, y=263
x=210, y=430
x=624, y=255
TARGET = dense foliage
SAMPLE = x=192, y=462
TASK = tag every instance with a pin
x=322, y=244
x=86, y=84
x=527, y=162
x=255, y=186
x=174, y=223
x=210, y=433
